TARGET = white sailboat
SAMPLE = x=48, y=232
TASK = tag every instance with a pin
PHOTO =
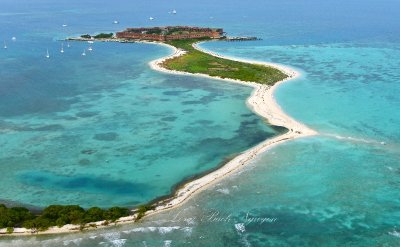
x=84, y=53
x=68, y=45
x=151, y=18
x=62, y=48
x=90, y=48
x=47, y=53
x=174, y=12
x=5, y=45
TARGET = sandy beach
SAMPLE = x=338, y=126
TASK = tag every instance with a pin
x=261, y=101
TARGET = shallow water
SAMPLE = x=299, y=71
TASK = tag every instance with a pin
x=105, y=130
x=338, y=189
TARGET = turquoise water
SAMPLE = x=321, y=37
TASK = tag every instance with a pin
x=103, y=129
x=340, y=188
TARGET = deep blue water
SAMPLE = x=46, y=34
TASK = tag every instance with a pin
x=340, y=188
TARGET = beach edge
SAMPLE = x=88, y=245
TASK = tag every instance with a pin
x=261, y=101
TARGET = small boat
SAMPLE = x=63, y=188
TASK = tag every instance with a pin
x=151, y=18
x=13, y=38
x=5, y=45
x=90, y=48
x=68, y=45
x=115, y=22
x=174, y=12
x=47, y=53
x=90, y=42
x=62, y=48
x=64, y=25
x=84, y=53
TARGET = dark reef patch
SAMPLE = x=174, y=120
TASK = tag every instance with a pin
x=168, y=119
x=51, y=127
x=192, y=102
x=110, y=136
x=84, y=162
x=175, y=92
x=85, y=114
x=88, y=151
x=82, y=182
x=204, y=122
x=188, y=111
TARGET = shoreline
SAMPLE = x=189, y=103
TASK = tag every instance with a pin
x=261, y=101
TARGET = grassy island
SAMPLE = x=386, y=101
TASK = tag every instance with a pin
x=195, y=61
x=192, y=61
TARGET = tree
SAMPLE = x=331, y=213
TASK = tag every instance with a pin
x=115, y=213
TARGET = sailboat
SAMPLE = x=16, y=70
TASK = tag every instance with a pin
x=62, y=48
x=64, y=24
x=47, y=54
x=174, y=12
x=151, y=18
x=84, y=53
x=68, y=45
x=5, y=45
x=90, y=48
x=116, y=22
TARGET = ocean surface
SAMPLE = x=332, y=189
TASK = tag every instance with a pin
x=106, y=130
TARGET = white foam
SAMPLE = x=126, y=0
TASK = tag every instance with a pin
x=240, y=227
x=356, y=139
x=224, y=191
x=188, y=231
x=190, y=221
x=167, y=229
x=167, y=243
x=74, y=241
x=395, y=233
x=118, y=242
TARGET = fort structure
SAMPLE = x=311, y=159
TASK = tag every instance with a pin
x=170, y=33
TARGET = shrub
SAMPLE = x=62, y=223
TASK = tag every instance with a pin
x=93, y=214
x=142, y=210
x=103, y=36
x=57, y=215
x=115, y=213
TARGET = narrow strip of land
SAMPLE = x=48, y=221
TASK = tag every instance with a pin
x=261, y=102
x=189, y=59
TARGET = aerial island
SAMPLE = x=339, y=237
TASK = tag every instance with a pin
x=191, y=59
x=187, y=58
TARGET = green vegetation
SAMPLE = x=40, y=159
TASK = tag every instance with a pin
x=154, y=31
x=142, y=210
x=176, y=31
x=57, y=215
x=98, y=36
x=103, y=36
x=86, y=36
x=14, y=217
x=195, y=61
